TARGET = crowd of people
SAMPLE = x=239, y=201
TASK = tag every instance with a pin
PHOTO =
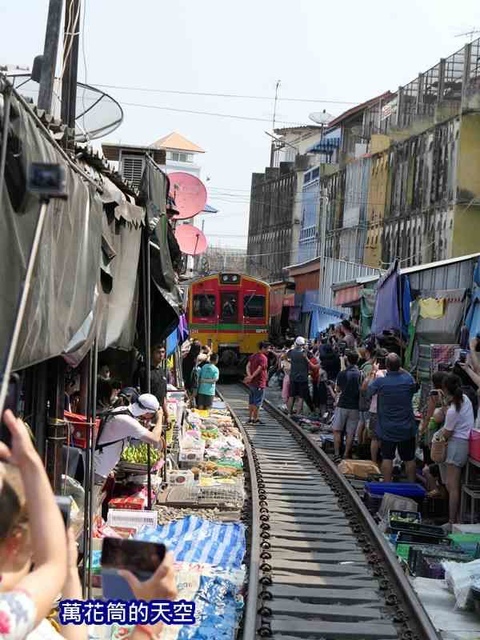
x=367, y=396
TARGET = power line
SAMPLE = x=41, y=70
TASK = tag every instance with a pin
x=207, y=113
x=221, y=95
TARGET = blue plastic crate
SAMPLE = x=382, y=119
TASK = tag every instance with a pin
x=404, y=489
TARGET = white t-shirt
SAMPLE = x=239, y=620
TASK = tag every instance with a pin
x=460, y=422
x=120, y=428
x=381, y=373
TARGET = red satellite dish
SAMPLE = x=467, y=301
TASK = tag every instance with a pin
x=189, y=193
x=191, y=240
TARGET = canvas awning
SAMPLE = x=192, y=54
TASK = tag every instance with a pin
x=347, y=296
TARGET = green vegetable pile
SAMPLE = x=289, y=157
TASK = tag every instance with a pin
x=138, y=454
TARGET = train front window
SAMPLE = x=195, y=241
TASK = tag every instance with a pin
x=203, y=305
x=229, y=305
x=254, y=306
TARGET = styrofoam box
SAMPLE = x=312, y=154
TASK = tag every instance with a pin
x=466, y=528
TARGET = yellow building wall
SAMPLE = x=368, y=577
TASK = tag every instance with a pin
x=466, y=219
x=377, y=194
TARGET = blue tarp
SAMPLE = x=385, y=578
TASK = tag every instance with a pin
x=310, y=299
x=322, y=317
x=195, y=540
x=387, y=313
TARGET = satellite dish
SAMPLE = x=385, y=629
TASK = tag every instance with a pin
x=97, y=113
x=189, y=193
x=321, y=117
x=191, y=240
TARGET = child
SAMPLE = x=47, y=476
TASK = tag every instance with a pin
x=207, y=378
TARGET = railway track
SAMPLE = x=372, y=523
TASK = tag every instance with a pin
x=318, y=566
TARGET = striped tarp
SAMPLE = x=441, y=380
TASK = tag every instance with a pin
x=193, y=539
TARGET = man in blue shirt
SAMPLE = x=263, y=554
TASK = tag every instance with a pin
x=207, y=378
x=396, y=420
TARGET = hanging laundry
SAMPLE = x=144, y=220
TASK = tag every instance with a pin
x=432, y=308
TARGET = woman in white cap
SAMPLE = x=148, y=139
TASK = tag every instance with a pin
x=118, y=427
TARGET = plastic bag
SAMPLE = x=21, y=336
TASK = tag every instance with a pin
x=459, y=577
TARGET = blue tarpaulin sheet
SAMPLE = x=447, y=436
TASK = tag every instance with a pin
x=322, y=318
x=387, y=312
x=196, y=540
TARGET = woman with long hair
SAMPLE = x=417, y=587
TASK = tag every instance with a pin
x=459, y=422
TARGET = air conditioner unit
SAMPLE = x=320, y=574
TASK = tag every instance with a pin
x=131, y=168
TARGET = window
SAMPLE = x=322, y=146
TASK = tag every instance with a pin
x=229, y=304
x=203, y=305
x=254, y=306
x=177, y=156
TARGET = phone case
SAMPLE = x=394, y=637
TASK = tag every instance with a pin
x=114, y=587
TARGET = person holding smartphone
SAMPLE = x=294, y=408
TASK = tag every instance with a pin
x=27, y=596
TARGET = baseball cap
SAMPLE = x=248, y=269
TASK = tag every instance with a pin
x=300, y=342
x=146, y=403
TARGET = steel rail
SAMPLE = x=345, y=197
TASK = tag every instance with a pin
x=410, y=599
x=405, y=607
x=250, y=618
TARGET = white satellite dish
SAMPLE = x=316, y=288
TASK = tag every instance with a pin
x=321, y=117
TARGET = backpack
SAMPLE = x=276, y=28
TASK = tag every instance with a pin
x=104, y=419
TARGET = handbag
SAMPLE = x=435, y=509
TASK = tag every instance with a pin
x=438, y=450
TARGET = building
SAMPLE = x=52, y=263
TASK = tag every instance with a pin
x=181, y=154
x=172, y=153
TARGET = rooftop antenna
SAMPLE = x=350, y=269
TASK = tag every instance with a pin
x=471, y=34
x=272, y=148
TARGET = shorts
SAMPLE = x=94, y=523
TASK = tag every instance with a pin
x=374, y=427
x=364, y=417
x=406, y=449
x=457, y=452
x=457, y=455
x=204, y=401
x=346, y=420
x=256, y=397
x=299, y=390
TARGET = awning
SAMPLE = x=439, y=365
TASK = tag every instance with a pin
x=289, y=300
x=347, y=296
x=322, y=318
x=327, y=145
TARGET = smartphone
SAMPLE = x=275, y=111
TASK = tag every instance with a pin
x=47, y=180
x=140, y=558
x=64, y=504
x=12, y=402
x=462, y=356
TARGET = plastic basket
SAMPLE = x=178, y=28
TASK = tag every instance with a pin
x=132, y=518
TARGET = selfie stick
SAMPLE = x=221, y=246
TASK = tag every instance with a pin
x=22, y=304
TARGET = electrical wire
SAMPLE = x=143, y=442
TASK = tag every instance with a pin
x=206, y=113
x=222, y=95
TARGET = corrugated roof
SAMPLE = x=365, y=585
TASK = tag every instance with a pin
x=302, y=127
x=440, y=263
x=176, y=142
x=388, y=95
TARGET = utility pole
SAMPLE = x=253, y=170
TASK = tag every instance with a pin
x=50, y=52
x=71, y=41
x=272, y=148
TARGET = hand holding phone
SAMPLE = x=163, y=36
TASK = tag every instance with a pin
x=142, y=559
x=12, y=402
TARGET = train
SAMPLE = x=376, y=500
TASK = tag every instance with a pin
x=230, y=312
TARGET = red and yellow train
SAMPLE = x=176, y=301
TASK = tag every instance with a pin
x=229, y=312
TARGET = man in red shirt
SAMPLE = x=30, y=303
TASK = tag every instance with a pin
x=257, y=379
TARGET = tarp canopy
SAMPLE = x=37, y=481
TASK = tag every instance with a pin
x=387, y=313
x=122, y=234
x=322, y=318
x=60, y=311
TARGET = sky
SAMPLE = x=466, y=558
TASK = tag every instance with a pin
x=327, y=55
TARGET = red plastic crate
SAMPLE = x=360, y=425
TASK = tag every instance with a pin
x=474, y=448
x=79, y=427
